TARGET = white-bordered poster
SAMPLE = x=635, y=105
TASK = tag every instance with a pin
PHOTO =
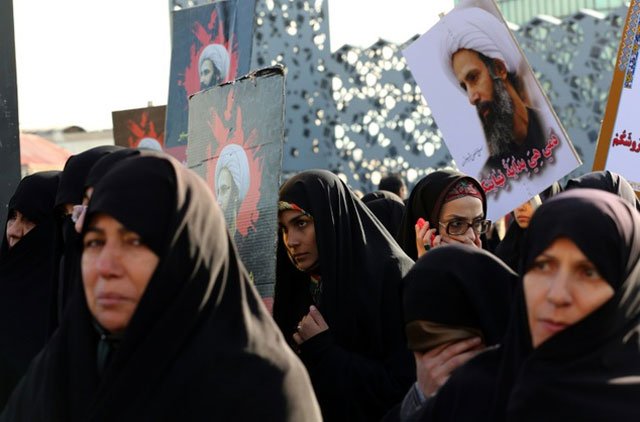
x=495, y=119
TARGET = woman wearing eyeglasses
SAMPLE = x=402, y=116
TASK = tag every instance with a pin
x=444, y=207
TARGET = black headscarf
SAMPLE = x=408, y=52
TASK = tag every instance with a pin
x=71, y=190
x=607, y=181
x=389, y=211
x=106, y=163
x=379, y=194
x=360, y=367
x=75, y=173
x=460, y=286
x=27, y=273
x=200, y=345
x=587, y=372
x=426, y=201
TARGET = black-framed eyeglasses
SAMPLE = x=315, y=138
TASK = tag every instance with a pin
x=459, y=227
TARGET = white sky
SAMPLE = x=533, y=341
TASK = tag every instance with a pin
x=78, y=60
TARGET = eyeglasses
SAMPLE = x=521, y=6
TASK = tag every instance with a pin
x=460, y=227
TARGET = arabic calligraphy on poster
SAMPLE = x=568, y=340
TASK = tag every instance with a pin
x=618, y=141
x=513, y=167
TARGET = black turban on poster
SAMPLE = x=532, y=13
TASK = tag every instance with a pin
x=360, y=367
x=27, y=273
x=587, y=372
x=426, y=201
x=200, y=345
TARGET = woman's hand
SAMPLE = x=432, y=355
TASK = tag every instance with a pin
x=310, y=325
x=434, y=367
x=426, y=237
x=449, y=240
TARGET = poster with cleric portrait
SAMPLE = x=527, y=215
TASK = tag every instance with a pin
x=139, y=127
x=236, y=132
x=211, y=44
x=495, y=119
x=619, y=139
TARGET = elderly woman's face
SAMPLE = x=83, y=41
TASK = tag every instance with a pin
x=561, y=288
x=116, y=268
x=18, y=225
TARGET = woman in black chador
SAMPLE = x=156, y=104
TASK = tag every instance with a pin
x=165, y=325
x=29, y=252
x=571, y=352
x=456, y=303
x=338, y=297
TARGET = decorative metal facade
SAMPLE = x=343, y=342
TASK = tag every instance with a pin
x=359, y=112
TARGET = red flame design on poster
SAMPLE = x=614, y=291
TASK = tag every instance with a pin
x=212, y=34
x=227, y=131
x=145, y=128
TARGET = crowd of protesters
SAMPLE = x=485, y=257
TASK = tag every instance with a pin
x=123, y=297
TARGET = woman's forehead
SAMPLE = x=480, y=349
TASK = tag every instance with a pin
x=465, y=206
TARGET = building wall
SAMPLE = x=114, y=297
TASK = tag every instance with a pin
x=522, y=11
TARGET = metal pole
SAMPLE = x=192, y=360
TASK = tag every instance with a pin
x=9, y=129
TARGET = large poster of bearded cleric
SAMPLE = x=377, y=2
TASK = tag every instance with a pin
x=495, y=119
x=619, y=140
x=139, y=127
x=236, y=133
x=211, y=44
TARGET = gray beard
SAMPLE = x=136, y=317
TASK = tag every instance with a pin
x=498, y=126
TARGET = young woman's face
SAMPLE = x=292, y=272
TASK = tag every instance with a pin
x=523, y=214
x=18, y=225
x=464, y=209
x=299, y=236
x=116, y=268
x=561, y=288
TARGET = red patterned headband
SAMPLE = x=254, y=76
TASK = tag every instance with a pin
x=286, y=206
x=462, y=188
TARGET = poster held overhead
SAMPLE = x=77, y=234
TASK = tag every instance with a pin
x=139, y=127
x=618, y=148
x=211, y=44
x=236, y=133
x=495, y=119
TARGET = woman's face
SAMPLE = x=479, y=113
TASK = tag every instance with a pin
x=561, y=288
x=18, y=225
x=299, y=236
x=464, y=209
x=523, y=214
x=116, y=268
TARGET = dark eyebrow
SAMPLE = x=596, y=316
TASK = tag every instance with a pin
x=470, y=73
x=122, y=230
x=94, y=229
x=460, y=217
x=296, y=218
